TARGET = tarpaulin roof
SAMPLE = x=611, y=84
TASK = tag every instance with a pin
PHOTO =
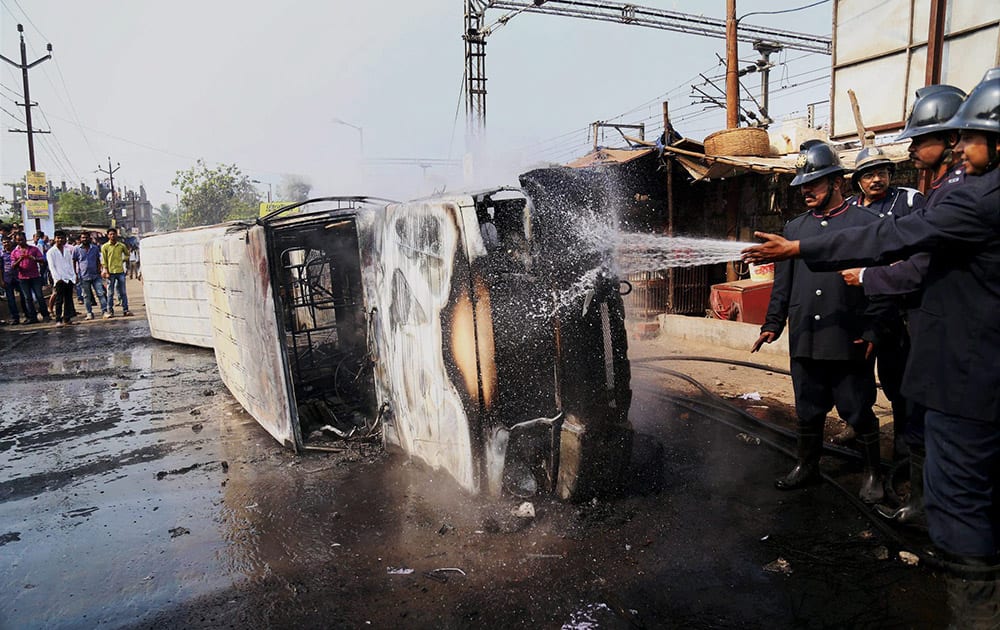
x=602, y=155
x=691, y=155
x=702, y=166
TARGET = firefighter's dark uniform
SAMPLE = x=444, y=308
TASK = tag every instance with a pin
x=828, y=328
x=905, y=278
x=893, y=338
x=825, y=318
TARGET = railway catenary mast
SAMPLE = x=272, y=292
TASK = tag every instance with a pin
x=619, y=12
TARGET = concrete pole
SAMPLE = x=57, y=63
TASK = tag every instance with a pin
x=24, y=67
x=732, y=122
x=671, y=281
x=732, y=69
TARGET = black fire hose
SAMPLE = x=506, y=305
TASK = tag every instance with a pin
x=930, y=560
x=894, y=469
x=670, y=357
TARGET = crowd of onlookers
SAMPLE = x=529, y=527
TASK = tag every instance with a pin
x=46, y=278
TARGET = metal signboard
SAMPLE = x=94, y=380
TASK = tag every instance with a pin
x=881, y=48
x=37, y=189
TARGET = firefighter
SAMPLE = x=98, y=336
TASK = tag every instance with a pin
x=931, y=149
x=952, y=370
x=831, y=332
x=873, y=172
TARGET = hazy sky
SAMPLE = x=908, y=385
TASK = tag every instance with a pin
x=157, y=85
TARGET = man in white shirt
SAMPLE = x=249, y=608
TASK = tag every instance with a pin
x=60, y=260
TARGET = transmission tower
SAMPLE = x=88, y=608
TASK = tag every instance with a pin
x=475, y=67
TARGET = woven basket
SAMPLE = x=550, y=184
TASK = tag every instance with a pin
x=742, y=141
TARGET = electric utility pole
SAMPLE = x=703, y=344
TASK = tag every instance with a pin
x=25, y=66
x=111, y=176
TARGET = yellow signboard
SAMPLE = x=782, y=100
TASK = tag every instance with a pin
x=37, y=208
x=38, y=188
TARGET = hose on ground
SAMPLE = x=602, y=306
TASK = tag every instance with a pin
x=720, y=404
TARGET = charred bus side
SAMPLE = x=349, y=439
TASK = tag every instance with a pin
x=427, y=320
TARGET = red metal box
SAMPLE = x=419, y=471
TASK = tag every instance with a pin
x=741, y=301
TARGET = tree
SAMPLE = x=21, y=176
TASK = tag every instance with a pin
x=214, y=195
x=8, y=211
x=77, y=208
x=165, y=218
x=294, y=188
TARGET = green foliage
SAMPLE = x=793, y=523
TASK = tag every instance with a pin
x=165, y=218
x=215, y=195
x=9, y=213
x=77, y=208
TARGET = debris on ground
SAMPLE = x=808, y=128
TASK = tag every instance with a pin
x=591, y=616
x=399, y=570
x=525, y=510
x=9, y=537
x=779, y=566
x=750, y=396
x=179, y=531
x=881, y=553
x=177, y=471
x=866, y=534
x=197, y=427
x=445, y=528
x=909, y=558
x=334, y=430
x=749, y=439
x=208, y=392
x=195, y=412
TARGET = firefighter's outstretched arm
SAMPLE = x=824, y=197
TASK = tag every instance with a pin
x=774, y=248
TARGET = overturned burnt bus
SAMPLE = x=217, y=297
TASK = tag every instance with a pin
x=448, y=323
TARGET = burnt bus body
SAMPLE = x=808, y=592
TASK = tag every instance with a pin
x=454, y=338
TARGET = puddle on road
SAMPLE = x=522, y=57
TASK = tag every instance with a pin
x=90, y=536
x=79, y=483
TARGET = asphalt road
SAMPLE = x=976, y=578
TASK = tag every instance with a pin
x=134, y=492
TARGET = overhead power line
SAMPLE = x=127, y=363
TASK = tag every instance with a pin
x=476, y=33
x=662, y=19
x=807, y=6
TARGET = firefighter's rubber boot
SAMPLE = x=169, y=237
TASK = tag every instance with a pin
x=900, y=418
x=806, y=471
x=912, y=512
x=871, y=482
x=974, y=601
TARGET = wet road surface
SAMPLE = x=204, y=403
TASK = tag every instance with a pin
x=134, y=492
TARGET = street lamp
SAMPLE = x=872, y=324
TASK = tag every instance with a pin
x=360, y=130
x=257, y=181
x=177, y=207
